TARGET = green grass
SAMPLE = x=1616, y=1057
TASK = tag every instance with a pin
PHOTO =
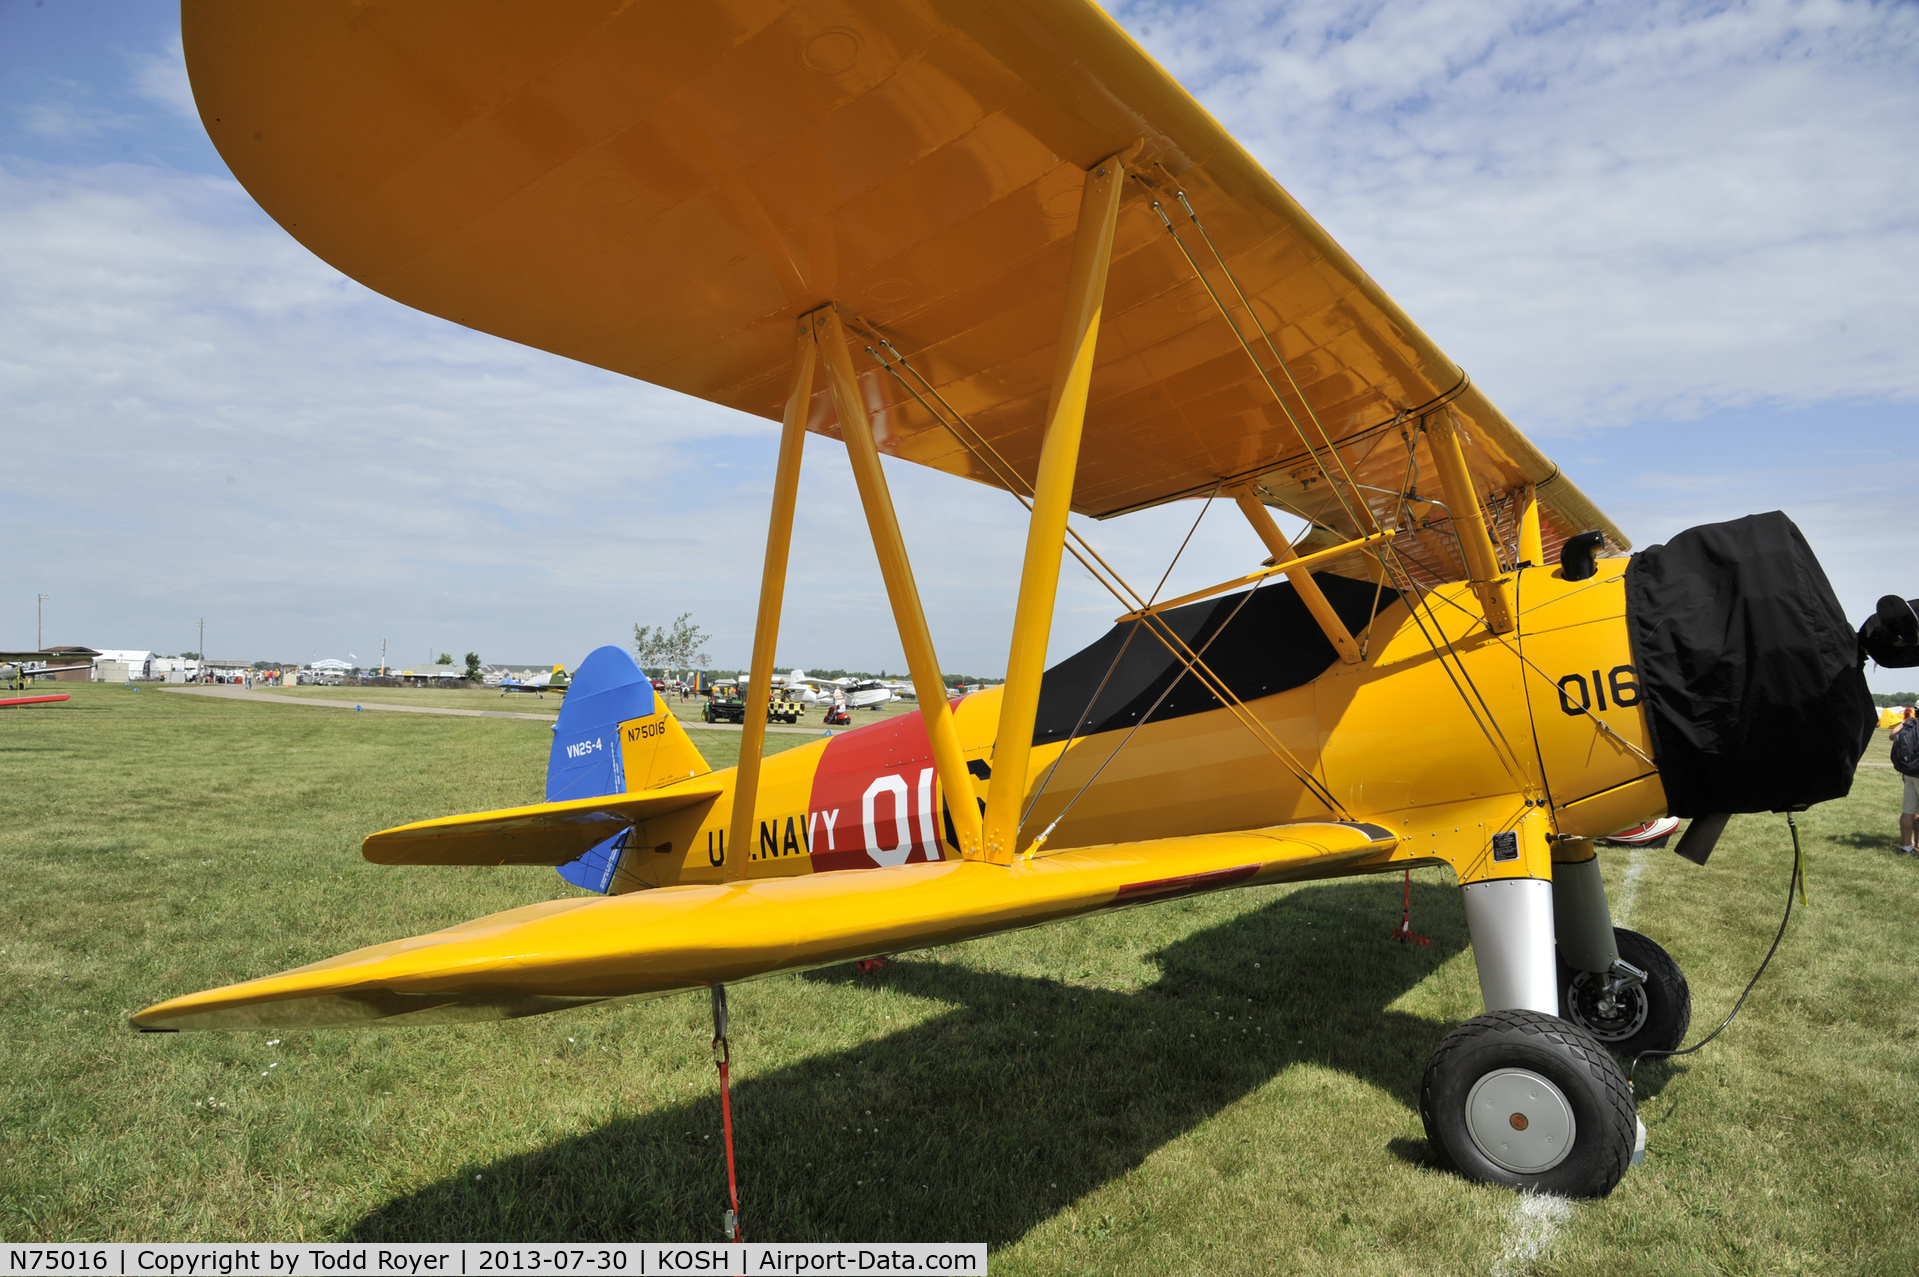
x=481, y=698
x=1220, y=1084
x=484, y=698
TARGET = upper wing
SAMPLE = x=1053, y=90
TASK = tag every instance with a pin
x=569, y=952
x=663, y=188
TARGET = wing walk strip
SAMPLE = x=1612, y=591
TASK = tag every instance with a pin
x=572, y=952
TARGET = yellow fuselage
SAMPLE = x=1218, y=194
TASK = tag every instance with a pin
x=1444, y=733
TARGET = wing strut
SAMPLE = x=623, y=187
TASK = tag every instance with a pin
x=1300, y=565
x=1469, y=522
x=1302, y=577
x=949, y=760
x=1052, y=501
x=766, y=629
x=1531, y=548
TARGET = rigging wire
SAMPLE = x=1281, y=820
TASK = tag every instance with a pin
x=1604, y=727
x=1379, y=583
x=1168, y=637
x=1040, y=788
x=1266, y=337
x=1508, y=756
x=1083, y=716
x=1211, y=681
x=1258, y=367
x=1143, y=719
x=1210, y=498
x=1004, y=472
x=1489, y=726
x=1010, y=475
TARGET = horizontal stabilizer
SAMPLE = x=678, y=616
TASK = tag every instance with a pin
x=564, y=953
x=542, y=834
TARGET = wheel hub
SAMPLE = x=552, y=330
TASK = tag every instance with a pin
x=1611, y=1010
x=1520, y=1121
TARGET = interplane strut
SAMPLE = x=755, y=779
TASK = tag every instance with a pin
x=1052, y=502
x=949, y=760
x=766, y=629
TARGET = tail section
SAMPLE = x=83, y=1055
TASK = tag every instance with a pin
x=614, y=737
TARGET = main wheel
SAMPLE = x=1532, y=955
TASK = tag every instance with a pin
x=1649, y=1017
x=1531, y=1101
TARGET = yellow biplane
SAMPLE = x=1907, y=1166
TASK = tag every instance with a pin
x=996, y=239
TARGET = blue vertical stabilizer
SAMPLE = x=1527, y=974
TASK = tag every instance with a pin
x=607, y=690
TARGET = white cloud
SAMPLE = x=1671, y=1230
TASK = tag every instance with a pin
x=187, y=376
x=208, y=418
x=68, y=117
x=161, y=78
x=1602, y=211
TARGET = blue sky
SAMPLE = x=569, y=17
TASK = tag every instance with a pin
x=1675, y=242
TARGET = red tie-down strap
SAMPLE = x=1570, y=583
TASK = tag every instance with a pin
x=1404, y=932
x=722, y=1055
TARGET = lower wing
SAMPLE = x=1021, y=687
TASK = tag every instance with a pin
x=565, y=953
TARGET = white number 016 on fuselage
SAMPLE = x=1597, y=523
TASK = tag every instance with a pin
x=999, y=241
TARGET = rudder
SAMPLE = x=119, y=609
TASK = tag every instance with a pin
x=614, y=736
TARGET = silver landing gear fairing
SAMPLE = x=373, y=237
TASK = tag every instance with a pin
x=1529, y=1094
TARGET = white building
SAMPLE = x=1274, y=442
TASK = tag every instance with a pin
x=117, y=665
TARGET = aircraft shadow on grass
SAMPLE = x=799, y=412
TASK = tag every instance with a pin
x=981, y=1122
x=1861, y=838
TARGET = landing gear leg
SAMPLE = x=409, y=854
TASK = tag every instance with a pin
x=1511, y=920
x=1518, y=1096
x=1616, y=984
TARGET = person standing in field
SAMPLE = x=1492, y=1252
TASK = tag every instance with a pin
x=1905, y=760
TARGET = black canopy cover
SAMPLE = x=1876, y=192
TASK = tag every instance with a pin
x=1753, y=683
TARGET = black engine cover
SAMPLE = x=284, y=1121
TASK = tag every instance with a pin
x=1752, y=680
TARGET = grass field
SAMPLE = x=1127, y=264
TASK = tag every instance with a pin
x=483, y=698
x=1223, y=1084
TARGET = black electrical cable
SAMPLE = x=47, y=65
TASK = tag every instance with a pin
x=1796, y=880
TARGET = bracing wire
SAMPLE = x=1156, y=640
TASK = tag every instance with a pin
x=1000, y=468
x=1379, y=585
x=1489, y=725
x=1087, y=712
x=1164, y=633
x=1144, y=718
x=1220, y=304
x=1084, y=715
x=1207, y=678
x=1271, y=346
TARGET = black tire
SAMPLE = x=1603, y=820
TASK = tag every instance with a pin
x=1654, y=1017
x=1511, y=1051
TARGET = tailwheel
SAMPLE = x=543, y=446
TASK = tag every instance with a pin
x=1531, y=1101
x=1643, y=1004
